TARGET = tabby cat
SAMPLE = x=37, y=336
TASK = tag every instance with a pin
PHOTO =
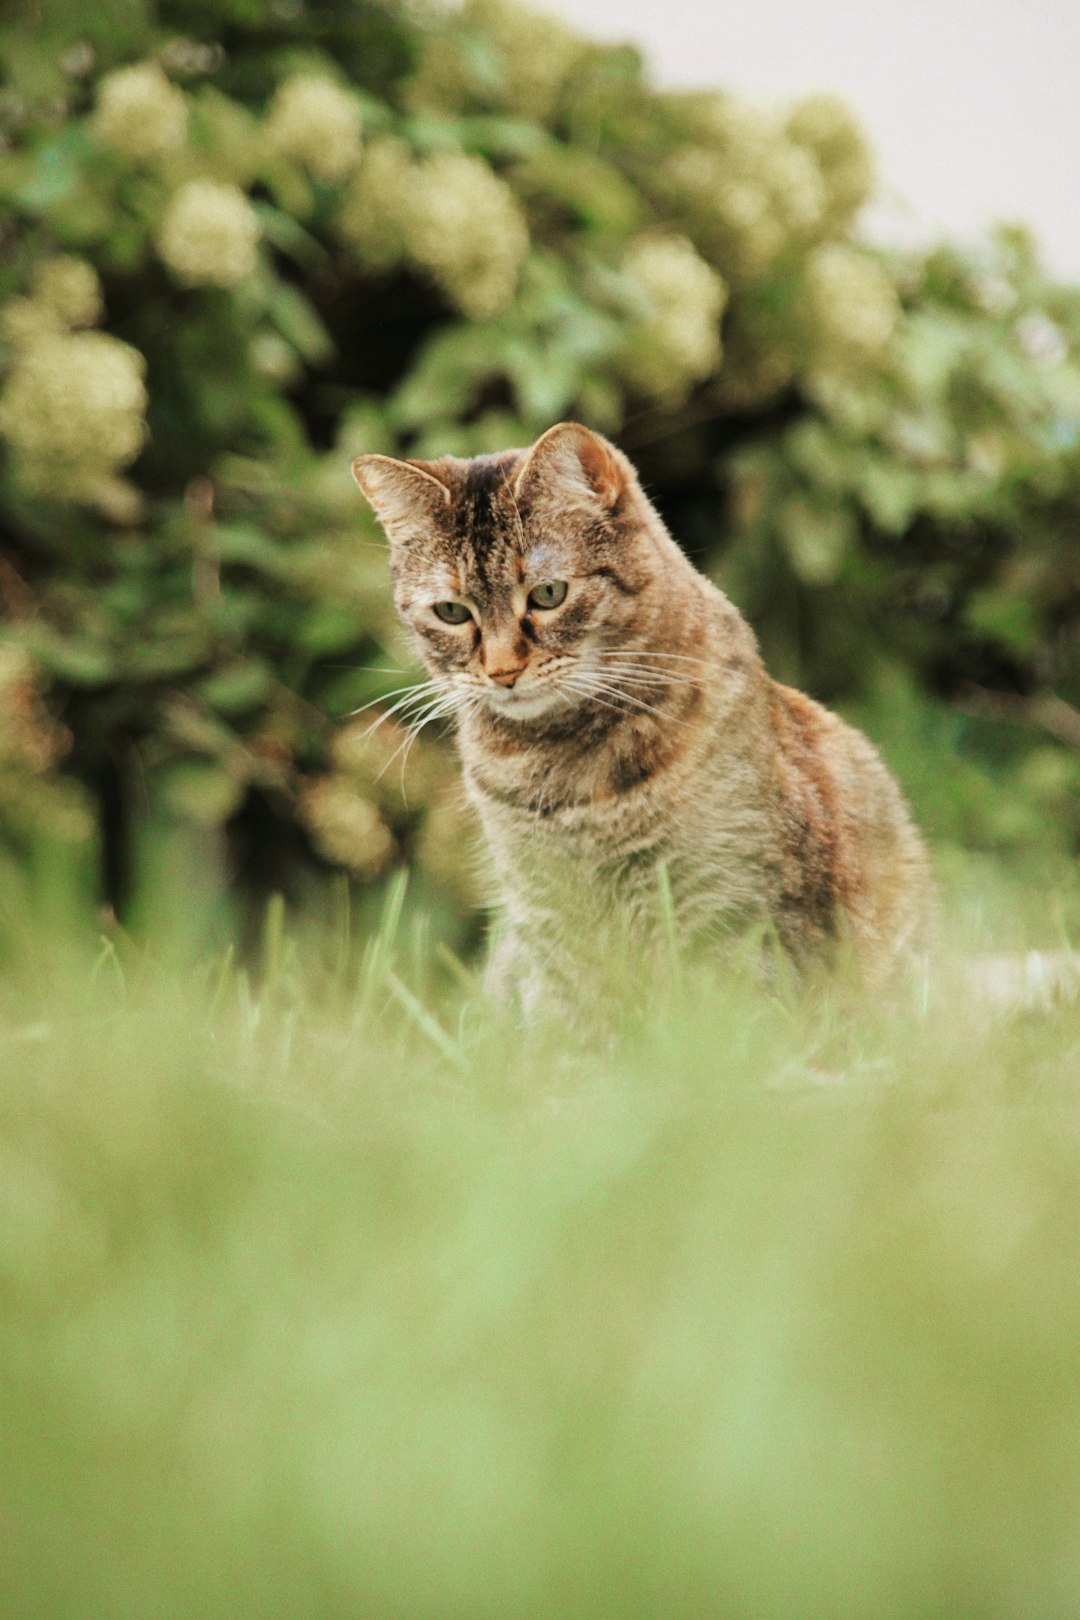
x=628, y=754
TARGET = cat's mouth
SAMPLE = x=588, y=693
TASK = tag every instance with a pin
x=521, y=703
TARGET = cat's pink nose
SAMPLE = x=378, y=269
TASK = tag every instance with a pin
x=505, y=677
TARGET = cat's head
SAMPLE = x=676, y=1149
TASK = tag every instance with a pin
x=520, y=573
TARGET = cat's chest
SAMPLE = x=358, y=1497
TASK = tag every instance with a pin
x=703, y=823
x=705, y=836
x=580, y=862
x=594, y=825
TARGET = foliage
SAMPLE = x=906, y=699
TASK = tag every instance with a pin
x=326, y=1293
x=242, y=242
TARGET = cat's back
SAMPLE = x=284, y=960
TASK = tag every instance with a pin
x=851, y=858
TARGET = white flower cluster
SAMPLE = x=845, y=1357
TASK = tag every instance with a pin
x=448, y=214
x=464, y=227
x=66, y=293
x=209, y=234
x=538, y=53
x=822, y=124
x=73, y=411
x=496, y=54
x=345, y=827
x=73, y=407
x=852, y=304
x=678, y=340
x=373, y=207
x=139, y=114
x=746, y=183
x=70, y=288
x=313, y=120
x=24, y=321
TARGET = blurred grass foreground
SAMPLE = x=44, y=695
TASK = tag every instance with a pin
x=323, y=1291
x=334, y=1295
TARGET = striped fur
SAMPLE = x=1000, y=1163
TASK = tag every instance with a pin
x=632, y=762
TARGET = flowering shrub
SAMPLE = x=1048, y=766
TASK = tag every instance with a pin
x=677, y=340
x=240, y=248
x=73, y=406
x=463, y=226
x=314, y=121
x=32, y=798
x=209, y=234
x=140, y=115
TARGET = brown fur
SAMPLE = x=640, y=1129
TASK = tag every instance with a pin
x=633, y=728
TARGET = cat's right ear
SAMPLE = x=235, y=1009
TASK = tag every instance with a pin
x=575, y=466
x=405, y=494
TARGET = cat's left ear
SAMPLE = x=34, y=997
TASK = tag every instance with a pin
x=574, y=465
x=405, y=494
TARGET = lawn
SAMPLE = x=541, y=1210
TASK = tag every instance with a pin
x=328, y=1292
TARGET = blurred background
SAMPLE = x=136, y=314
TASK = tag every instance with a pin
x=325, y=1290
x=242, y=241
x=969, y=105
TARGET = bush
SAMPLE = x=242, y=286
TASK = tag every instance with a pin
x=243, y=243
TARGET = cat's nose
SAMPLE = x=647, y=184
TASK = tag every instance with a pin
x=505, y=677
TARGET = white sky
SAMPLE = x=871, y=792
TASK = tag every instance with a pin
x=972, y=106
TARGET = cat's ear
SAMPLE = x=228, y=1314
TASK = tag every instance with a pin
x=405, y=494
x=574, y=465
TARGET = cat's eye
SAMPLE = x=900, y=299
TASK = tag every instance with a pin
x=451, y=612
x=548, y=595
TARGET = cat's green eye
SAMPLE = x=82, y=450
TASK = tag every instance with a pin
x=452, y=612
x=548, y=595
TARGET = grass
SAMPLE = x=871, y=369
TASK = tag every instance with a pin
x=328, y=1293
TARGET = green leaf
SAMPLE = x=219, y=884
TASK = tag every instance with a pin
x=82, y=662
x=326, y=628
x=238, y=687
x=204, y=793
x=500, y=137
x=163, y=658
x=286, y=233
x=890, y=492
x=246, y=543
x=588, y=186
x=448, y=374
x=816, y=538
x=296, y=320
x=56, y=170
x=1006, y=617
x=545, y=378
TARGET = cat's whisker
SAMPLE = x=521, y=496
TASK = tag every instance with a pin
x=383, y=697
x=442, y=705
x=650, y=652
x=416, y=694
x=589, y=686
x=649, y=677
x=667, y=671
x=590, y=693
x=613, y=688
x=645, y=652
x=410, y=740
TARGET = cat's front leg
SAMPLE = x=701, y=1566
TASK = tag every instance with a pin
x=509, y=972
x=517, y=980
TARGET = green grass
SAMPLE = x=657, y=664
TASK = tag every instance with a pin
x=324, y=1292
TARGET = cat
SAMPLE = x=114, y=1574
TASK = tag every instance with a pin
x=631, y=760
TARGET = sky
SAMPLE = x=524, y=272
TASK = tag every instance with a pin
x=972, y=106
